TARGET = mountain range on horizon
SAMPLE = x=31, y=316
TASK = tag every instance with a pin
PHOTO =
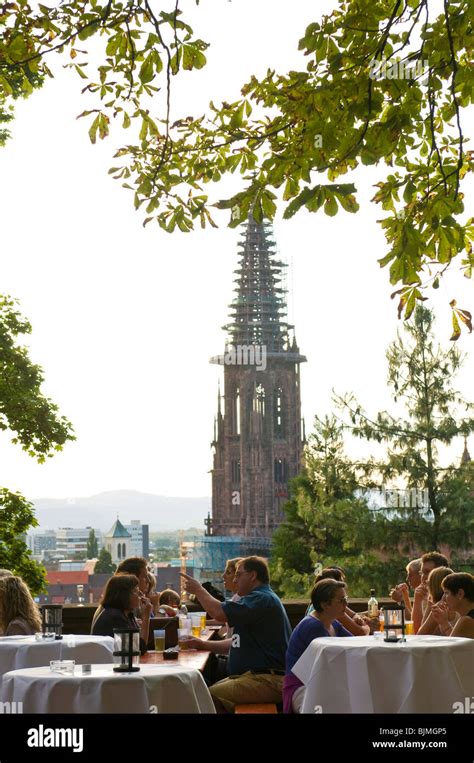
x=161, y=513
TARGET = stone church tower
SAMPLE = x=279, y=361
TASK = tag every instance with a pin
x=258, y=438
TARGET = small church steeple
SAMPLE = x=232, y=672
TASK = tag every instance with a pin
x=465, y=458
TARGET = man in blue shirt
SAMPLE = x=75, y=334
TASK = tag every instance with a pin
x=262, y=630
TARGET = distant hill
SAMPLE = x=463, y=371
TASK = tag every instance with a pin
x=162, y=513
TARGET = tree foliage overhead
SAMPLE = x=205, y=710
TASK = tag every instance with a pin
x=292, y=135
x=23, y=407
x=37, y=427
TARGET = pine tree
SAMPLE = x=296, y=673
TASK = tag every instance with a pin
x=92, y=546
x=421, y=374
x=327, y=523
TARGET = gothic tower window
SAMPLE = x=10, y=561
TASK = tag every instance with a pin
x=235, y=465
x=259, y=399
x=235, y=412
x=278, y=418
x=280, y=470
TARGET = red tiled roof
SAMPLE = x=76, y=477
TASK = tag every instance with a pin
x=68, y=577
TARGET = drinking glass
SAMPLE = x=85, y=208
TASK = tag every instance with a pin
x=159, y=640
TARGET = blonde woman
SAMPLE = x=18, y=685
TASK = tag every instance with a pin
x=430, y=626
x=19, y=615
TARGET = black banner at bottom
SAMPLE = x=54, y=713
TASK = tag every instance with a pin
x=90, y=737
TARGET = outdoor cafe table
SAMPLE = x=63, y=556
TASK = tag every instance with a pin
x=160, y=688
x=426, y=674
x=25, y=652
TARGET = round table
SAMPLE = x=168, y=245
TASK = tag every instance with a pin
x=154, y=689
x=426, y=674
x=25, y=652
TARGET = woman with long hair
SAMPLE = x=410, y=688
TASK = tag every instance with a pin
x=19, y=615
x=430, y=626
x=121, y=597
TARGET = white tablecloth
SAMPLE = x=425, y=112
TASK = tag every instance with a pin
x=24, y=652
x=427, y=674
x=157, y=688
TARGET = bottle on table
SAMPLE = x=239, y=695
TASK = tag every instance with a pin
x=373, y=605
x=183, y=615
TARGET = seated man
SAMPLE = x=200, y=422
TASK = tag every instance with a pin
x=401, y=592
x=260, y=638
x=421, y=606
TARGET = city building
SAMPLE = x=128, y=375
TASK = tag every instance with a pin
x=72, y=542
x=140, y=539
x=118, y=542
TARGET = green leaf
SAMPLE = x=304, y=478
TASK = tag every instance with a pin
x=330, y=206
x=147, y=70
x=93, y=129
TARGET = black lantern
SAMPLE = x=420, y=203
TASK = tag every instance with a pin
x=52, y=620
x=394, y=622
x=126, y=650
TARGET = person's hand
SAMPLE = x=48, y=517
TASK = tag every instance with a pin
x=440, y=613
x=421, y=591
x=168, y=611
x=358, y=620
x=196, y=643
x=145, y=605
x=397, y=593
x=191, y=585
x=372, y=622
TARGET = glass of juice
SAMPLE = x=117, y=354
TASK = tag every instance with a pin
x=183, y=639
x=196, y=625
x=159, y=640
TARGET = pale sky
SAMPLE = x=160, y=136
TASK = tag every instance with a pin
x=125, y=318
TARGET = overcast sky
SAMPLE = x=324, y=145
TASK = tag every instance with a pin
x=125, y=318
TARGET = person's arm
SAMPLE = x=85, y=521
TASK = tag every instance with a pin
x=354, y=627
x=215, y=647
x=212, y=606
x=421, y=595
x=464, y=628
x=440, y=615
x=429, y=626
x=145, y=623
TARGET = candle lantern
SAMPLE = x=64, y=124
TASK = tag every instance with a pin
x=52, y=620
x=126, y=650
x=394, y=622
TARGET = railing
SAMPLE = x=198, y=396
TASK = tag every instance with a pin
x=79, y=619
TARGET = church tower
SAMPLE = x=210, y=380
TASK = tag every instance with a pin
x=258, y=438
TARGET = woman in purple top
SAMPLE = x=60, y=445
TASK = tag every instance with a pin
x=329, y=601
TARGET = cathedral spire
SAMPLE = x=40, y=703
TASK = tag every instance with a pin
x=466, y=457
x=258, y=310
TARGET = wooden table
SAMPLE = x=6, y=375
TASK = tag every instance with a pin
x=189, y=658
